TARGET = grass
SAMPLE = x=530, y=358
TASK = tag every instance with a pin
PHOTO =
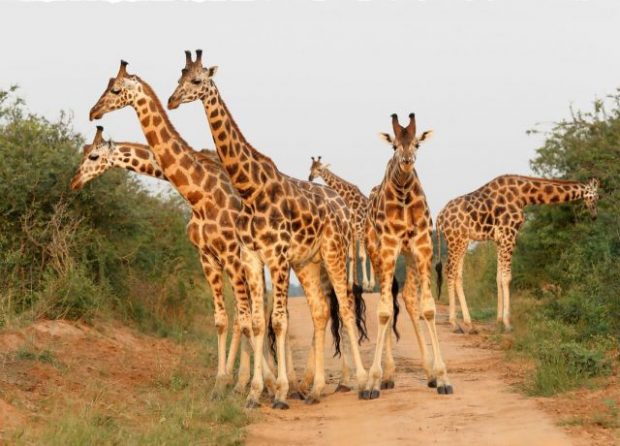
x=174, y=408
x=609, y=418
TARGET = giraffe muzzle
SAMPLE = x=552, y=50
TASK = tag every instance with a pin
x=95, y=113
x=173, y=103
x=76, y=183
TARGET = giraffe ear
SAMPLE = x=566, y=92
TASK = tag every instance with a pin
x=386, y=137
x=425, y=136
x=212, y=70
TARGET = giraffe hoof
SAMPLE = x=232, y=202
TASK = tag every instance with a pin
x=445, y=390
x=280, y=405
x=374, y=394
x=251, y=404
x=296, y=396
x=342, y=388
x=389, y=384
x=311, y=400
x=432, y=383
x=458, y=329
x=364, y=395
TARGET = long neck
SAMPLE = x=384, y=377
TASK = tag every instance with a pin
x=333, y=180
x=172, y=153
x=137, y=158
x=249, y=170
x=544, y=191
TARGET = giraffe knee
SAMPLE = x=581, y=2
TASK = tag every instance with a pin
x=221, y=325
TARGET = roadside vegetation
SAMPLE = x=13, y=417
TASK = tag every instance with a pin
x=111, y=252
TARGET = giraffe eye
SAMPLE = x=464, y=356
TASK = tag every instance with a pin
x=117, y=91
x=196, y=81
x=93, y=157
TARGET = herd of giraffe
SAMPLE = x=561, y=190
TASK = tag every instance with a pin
x=248, y=216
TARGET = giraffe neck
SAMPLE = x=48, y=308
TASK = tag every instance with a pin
x=172, y=153
x=334, y=181
x=543, y=191
x=248, y=169
x=137, y=158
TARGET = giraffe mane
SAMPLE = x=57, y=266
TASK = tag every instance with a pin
x=549, y=180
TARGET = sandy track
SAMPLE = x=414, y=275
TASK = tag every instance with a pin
x=484, y=410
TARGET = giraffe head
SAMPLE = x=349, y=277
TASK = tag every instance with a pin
x=195, y=82
x=316, y=169
x=123, y=90
x=405, y=142
x=590, y=196
x=95, y=160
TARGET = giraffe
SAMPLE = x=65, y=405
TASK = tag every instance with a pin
x=101, y=155
x=215, y=208
x=398, y=221
x=358, y=203
x=98, y=157
x=286, y=225
x=495, y=212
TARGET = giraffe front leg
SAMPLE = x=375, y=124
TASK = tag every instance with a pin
x=410, y=296
x=309, y=276
x=344, y=384
x=456, y=252
x=279, y=321
x=294, y=387
x=500, y=293
x=213, y=273
x=504, y=260
x=243, y=377
x=387, y=380
x=423, y=259
x=469, y=328
x=385, y=313
x=254, y=276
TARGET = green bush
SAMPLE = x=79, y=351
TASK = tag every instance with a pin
x=111, y=247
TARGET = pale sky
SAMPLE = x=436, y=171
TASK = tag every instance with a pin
x=309, y=78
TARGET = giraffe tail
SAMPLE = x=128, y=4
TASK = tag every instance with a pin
x=438, y=265
x=271, y=334
x=336, y=320
x=395, y=306
x=360, y=313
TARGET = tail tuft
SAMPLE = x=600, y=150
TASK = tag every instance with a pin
x=396, y=307
x=271, y=335
x=334, y=312
x=439, y=268
x=360, y=313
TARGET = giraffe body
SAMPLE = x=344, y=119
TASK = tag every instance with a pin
x=398, y=221
x=285, y=225
x=358, y=203
x=495, y=212
x=215, y=207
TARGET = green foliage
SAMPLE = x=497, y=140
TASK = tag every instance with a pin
x=110, y=247
x=573, y=327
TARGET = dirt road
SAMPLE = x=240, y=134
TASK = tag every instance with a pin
x=484, y=410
